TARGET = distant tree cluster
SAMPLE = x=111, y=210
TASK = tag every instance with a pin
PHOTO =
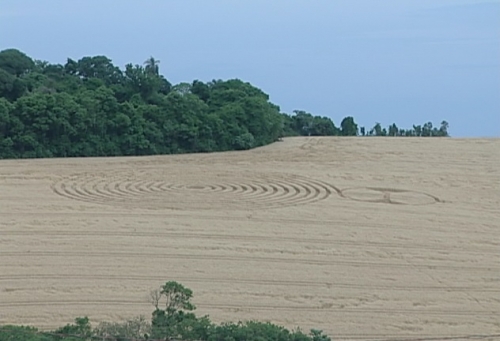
x=305, y=124
x=90, y=107
x=427, y=130
x=172, y=319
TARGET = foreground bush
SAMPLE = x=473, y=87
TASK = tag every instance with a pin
x=172, y=319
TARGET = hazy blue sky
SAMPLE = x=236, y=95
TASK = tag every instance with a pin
x=403, y=61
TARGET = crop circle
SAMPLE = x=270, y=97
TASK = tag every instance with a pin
x=389, y=196
x=193, y=190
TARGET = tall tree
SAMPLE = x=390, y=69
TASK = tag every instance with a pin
x=151, y=66
x=444, y=128
x=349, y=127
x=393, y=130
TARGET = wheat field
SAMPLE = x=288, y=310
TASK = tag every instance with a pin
x=364, y=238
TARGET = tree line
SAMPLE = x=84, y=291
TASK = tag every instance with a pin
x=90, y=107
x=172, y=319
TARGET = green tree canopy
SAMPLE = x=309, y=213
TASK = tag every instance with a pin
x=90, y=107
x=15, y=62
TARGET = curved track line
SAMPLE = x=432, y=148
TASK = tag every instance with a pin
x=153, y=255
x=232, y=280
x=261, y=238
x=240, y=307
x=354, y=244
x=238, y=219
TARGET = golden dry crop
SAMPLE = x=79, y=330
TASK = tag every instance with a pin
x=360, y=237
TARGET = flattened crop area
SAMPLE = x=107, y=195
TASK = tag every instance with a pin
x=364, y=238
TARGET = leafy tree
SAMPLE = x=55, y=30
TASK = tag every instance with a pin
x=152, y=67
x=80, y=330
x=15, y=62
x=7, y=81
x=349, y=127
x=323, y=126
x=443, y=130
x=262, y=331
x=376, y=130
x=201, y=90
x=304, y=122
x=317, y=335
x=175, y=320
x=418, y=130
x=177, y=297
x=99, y=67
x=22, y=333
x=427, y=129
x=182, y=89
x=393, y=130
x=244, y=141
x=137, y=328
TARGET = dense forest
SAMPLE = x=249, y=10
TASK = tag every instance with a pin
x=172, y=319
x=91, y=107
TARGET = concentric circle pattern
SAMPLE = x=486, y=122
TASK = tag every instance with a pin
x=174, y=190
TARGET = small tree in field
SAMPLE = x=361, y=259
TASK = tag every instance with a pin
x=177, y=319
x=177, y=297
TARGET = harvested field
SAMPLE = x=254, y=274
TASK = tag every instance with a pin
x=365, y=238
